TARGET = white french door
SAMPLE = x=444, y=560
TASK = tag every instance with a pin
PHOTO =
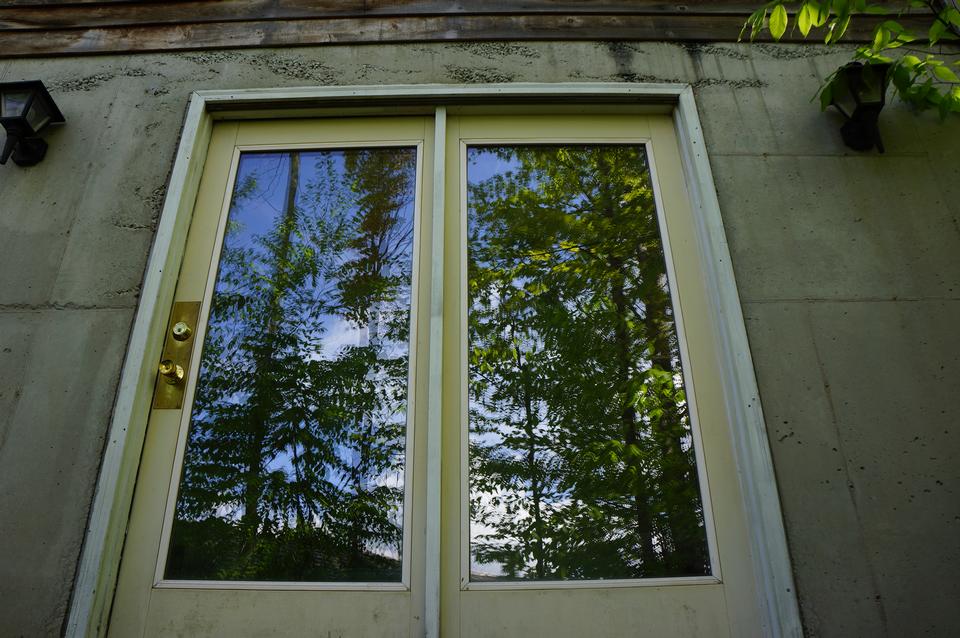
x=589, y=485
x=285, y=489
x=582, y=480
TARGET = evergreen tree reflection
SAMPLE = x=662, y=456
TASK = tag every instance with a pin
x=294, y=464
x=581, y=458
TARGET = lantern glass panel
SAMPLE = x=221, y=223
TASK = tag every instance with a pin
x=13, y=103
x=843, y=98
x=38, y=115
x=871, y=86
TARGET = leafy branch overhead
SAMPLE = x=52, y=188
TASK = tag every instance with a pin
x=925, y=72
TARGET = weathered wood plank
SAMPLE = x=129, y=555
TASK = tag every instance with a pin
x=126, y=13
x=196, y=11
x=275, y=33
x=57, y=4
x=453, y=6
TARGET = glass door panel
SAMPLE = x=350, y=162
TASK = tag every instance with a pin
x=294, y=463
x=581, y=452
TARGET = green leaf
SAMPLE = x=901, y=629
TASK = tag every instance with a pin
x=881, y=38
x=877, y=10
x=826, y=96
x=945, y=107
x=893, y=26
x=875, y=58
x=839, y=7
x=945, y=73
x=756, y=22
x=910, y=60
x=838, y=26
x=820, y=13
x=952, y=16
x=930, y=94
x=843, y=22
x=936, y=30
x=805, y=19
x=778, y=22
x=901, y=78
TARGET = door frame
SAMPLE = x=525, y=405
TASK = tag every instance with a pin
x=99, y=564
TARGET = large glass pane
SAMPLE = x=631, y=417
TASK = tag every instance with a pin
x=581, y=457
x=294, y=465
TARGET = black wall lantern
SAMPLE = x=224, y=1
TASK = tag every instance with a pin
x=859, y=92
x=26, y=108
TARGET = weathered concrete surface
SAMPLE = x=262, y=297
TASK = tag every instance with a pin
x=62, y=390
x=823, y=227
x=899, y=439
x=847, y=265
x=833, y=569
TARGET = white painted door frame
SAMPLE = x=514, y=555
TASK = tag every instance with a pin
x=97, y=573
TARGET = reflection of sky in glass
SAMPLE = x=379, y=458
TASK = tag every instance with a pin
x=301, y=400
x=530, y=213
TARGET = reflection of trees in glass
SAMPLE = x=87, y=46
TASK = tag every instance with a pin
x=294, y=462
x=581, y=461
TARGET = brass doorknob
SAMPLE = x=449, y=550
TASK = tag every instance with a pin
x=181, y=331
x=171, y=372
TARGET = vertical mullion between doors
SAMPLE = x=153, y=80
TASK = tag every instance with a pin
x=435, y=381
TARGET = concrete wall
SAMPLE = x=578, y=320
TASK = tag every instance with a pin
x=847, y=266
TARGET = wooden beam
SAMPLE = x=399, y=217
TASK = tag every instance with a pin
x=36, y=28
x=435, y=6
x=25, y=14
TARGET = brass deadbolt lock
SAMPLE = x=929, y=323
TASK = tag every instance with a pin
x=171, y=372
x=181, y=331
x=176, y=355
